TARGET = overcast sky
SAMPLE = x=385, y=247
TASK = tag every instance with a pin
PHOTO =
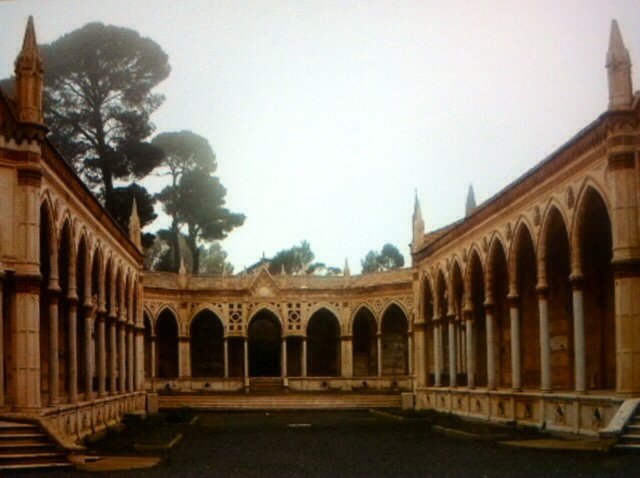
x=326, y=115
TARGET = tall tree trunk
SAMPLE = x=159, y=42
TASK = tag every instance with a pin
x=175, y=235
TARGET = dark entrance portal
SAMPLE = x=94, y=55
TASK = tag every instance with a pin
x=264, y=345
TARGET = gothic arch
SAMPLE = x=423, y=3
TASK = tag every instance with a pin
x=269, y=308
x=356, y=311
x=325, y=305
x=210, y=308
x=323, y=343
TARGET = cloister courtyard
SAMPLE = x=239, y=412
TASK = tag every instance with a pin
x=352, y=444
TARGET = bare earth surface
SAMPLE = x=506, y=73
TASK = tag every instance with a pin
x=356, y=444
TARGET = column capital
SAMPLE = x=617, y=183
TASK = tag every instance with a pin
x=542, y=290
x=513, y=300
x=28, y=283
x=489, y=306
x=624, y=268
x=577, y=281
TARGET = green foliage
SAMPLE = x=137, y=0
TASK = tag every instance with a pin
x=98, y=100
x=213, y=260
x=295, y=260
x=194, y=198
x=122, y=201
x=387, y=259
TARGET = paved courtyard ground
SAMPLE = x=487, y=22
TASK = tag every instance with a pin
x=356, y=444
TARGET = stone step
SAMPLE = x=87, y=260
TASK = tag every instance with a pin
x=21, y=436
x=627, y=446
x=630, y=436
x=54, y=465
x=34, y=445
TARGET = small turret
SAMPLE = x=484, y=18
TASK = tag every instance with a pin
x=346, y=272
x=471, y=202
x=134, y=225
x=418, y=224
x=28, y=89
x=619, y=71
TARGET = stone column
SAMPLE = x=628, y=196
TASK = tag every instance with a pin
x=246, y=362
x=1, y=342
x=346, y=356
x=25, y=342
x=419, y=354
x=184, y=357
x=283, y=357
x=303, y=358
x=130, y=358
x=437, y=357
x=54, y=364
x=139, y=354
x=225, y=358
x=122, y=357
x=72, y=305
x=491, y=359
x=379, y=345
x=453, y=369
x=578, y=335
x=88, y=351
x=113, y=352
x=545, y=347
x=154, y=363
x=470, y=350
x=516, y=354
x=409, y=353
x=102, y=354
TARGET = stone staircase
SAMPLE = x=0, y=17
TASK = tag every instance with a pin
x=289, y=401
x=266, y=385
x=630, y=438
x=23, y=446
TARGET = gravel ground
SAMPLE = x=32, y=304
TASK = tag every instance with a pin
x=356, y=444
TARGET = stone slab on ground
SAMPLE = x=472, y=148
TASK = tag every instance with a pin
x=582, y=444
x=119, y=463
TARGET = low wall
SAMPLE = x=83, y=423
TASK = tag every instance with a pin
x=562, y=412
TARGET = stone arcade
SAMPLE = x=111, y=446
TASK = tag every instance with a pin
x=526, y=310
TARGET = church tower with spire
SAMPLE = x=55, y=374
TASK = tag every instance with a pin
x=134, y=225
x=619, y=71
x=471, y=202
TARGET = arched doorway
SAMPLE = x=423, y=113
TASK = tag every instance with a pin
x=557, y=265
x=599, y=314
x=394, y=329
x=365, y=344
x=207, y=345
x=323, y=345
x=264, y=345
x=479, y=320
x=498, y=274
x=167, y=340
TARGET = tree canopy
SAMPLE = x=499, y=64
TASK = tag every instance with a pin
x=194, y=198
x=98, y=100
x=299, y=260
x=388, y=258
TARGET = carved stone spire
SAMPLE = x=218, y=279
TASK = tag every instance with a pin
x=418, y=224
x=619, y=71
x=134, y=225
x=346, y=271
x=471, y=201
x=28, y=70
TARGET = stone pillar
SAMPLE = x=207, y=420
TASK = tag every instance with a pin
x=624, y=171
x=409, y=353
x=245, y=370
x=25, y=342
x=469, y=348
x=491, y=359
x=154, y=363
x=130, y=358
x=1, y=342
x=184, y=357
x=578, y=335
x=462, y=347
x=437, y=357
x=122, y=356
x=346, y=356
x=102, y=354
x=516, y=353
x=88, y=352
x=419, y=354
x=379, y=345
x=545, y=346
x=54, y=364
x=113, y=352
x=303, y=358
x=225, y=357
x=72, y=305
x=283, y=357
x=453, y=369
x=139, y=354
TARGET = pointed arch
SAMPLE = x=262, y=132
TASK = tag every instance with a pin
x=323, y=344
x=365, y=343
x=497, y=290
x=265, y=343
x=357, y=310
x=167, y=327
x=324, y=305
x=262, y=308
x=394, y=330
x=206, y=334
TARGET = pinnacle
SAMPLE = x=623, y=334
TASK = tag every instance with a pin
x=29, y=43
x=615, y=39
